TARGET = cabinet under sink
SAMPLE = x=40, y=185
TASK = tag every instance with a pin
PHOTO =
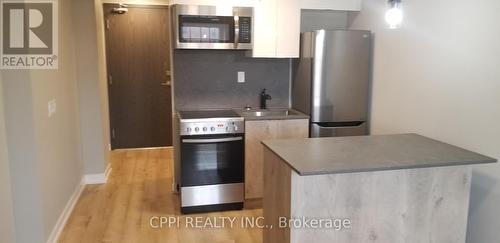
x=255, y=132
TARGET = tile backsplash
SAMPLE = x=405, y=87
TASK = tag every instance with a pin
x=207, y=79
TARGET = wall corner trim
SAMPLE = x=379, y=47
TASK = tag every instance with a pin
x=100, y=178
x=63, y=218
x=107, y=172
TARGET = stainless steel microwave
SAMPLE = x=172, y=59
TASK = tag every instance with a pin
x=212, y=27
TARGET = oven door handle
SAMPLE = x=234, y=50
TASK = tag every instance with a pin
x=211, y=140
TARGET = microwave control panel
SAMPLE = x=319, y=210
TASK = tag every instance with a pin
x=245, y=24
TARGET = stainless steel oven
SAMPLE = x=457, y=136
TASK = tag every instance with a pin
x=212, y=27
x=212, y=162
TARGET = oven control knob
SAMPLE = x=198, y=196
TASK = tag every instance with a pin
x=235, y=128
x=205, y=129
x=212, y=129
x=196, y=129
x=188, y=129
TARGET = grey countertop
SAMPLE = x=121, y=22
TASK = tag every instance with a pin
x=294, y=114
x=314, y=156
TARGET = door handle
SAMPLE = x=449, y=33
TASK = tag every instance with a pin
x=168, y=82
x=211, y=140
x=332, y=125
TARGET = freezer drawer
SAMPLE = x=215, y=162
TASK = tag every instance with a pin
x=338, y=129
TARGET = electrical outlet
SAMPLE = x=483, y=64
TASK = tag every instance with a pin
x=52, y=107
x=241, y=77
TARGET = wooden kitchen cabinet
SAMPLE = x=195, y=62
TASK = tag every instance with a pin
x=276, y=29
x=255, y=132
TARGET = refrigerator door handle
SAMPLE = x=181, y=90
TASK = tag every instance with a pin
x=332, y=125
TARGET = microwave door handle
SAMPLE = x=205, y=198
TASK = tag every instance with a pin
x=236, y=31
x=211, y=140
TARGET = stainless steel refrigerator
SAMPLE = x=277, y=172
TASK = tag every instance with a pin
x=331, y=81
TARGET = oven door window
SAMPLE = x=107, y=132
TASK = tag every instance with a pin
x=206, y=163
x=206, y=29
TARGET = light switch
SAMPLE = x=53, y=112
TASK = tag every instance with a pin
x=52, y=108
x=241, y=77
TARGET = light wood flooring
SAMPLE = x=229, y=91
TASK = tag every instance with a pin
x=139, y=188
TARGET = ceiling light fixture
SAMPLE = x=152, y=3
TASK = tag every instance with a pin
x=394, y=14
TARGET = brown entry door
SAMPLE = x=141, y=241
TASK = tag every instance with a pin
x=138, y=60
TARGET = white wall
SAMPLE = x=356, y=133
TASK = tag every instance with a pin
x=322, y=19
x=94, y=146
x=44, y=153
x=58, y=138
x=23, y=162
x=7, y=229
x=102, y=73
x=439, y=75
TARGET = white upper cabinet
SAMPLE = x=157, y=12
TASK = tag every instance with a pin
x=288, y=28
x=264, y=28
x=276, y=28
x=346, y=5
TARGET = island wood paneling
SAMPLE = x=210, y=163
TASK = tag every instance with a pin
x=277, y=197
x=411, y=205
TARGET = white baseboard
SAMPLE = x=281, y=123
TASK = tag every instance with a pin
x=61, y=222
x=100, y=178
x=86, y=179
x=107, y=172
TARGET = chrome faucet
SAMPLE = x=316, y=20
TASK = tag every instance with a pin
x=263, y=99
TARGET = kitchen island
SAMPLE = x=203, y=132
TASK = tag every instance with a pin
x=386, y=188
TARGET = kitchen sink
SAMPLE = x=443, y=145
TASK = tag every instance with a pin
x=272, y=112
